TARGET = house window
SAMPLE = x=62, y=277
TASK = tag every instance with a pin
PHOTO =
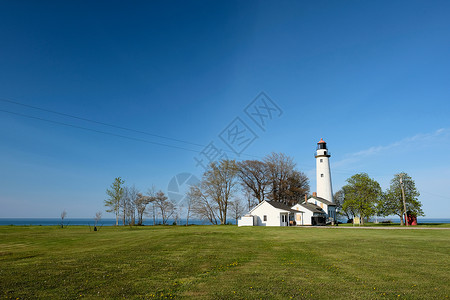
x=321, y=160
x=321, y=175
x=265, y=218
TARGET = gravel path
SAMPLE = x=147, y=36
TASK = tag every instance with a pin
x=375, y=227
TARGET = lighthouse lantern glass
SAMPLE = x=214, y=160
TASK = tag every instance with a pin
x=321, y=146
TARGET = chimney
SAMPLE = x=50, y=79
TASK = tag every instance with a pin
x=306, y=198
x=314, y=194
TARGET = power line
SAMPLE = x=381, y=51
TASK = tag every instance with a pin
x=110, y=125
x=98, y=131
x=138, y=139
x=433, y=194
x=112, y=134
x=100, y=123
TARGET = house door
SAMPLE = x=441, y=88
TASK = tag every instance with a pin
x=298, y=219
x=283, y=220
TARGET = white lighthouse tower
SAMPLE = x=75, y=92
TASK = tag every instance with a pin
x=323, y=173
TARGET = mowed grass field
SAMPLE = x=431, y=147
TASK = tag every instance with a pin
x=223, y=262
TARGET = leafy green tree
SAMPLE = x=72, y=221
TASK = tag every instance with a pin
x=362, y=194
x=115, y=194
x=392, y=203
x=339, y=198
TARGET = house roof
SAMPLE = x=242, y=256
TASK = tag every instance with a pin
x=324, y=201
x=312, y=207
x=282, y=206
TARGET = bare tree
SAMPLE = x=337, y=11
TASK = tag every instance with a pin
x=63, y=216
x=218, y=185
x=237, y=209
x=97, y=218
x=165, y=206
x=151, y=192
x=203, y=207
x=133, y=195
x=255, y=176
x=141, y=204
x=177, y=217
x=280, y=167
x=211, y=197
x=128, y=204
x=250, y=199
x=297, y=187
x=189, y=203
x=287, y=185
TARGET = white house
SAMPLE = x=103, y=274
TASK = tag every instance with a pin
x=315, y=210
x=312, y=214
x=269, y=213
x=327, y=206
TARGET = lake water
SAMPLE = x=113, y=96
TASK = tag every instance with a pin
x=148, y=222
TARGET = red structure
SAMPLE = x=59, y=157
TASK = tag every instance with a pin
x=412, y=220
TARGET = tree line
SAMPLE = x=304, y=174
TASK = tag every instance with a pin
x=226, y=187
x=363, y=197
x=130, y=205
x=224, y=183
x=230, y=188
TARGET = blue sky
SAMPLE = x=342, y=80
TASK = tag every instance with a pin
x=371, y=78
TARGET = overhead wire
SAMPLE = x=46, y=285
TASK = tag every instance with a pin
x=98, y=122
x=97, y=131
x=109, y=125
x=342, y=171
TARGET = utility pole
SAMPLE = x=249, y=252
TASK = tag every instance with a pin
x=403, y=196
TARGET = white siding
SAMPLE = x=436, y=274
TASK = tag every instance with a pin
x=306, y=216
x=323, y=175
x=272, y=215
x=327, y=209
x=246, y=221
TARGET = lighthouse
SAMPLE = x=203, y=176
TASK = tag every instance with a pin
x=323, y=173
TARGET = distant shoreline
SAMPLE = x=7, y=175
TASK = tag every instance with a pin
x=90, y=222
x=149, y=222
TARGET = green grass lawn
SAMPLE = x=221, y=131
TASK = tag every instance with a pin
x=224, y=262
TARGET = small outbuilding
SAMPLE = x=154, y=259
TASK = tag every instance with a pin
x=270, y=213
